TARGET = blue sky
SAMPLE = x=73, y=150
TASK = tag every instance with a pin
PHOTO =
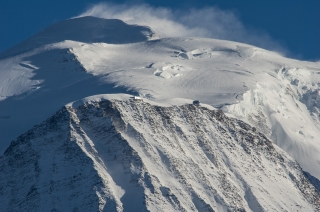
x=290, y=26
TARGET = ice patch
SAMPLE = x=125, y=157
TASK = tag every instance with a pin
x=26, y=64
x=168, y=70
x=245, y=52
x=239, y=51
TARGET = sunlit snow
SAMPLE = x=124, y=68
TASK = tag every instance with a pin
x=278, y=95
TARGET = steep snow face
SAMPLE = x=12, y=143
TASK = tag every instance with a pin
x=85, y=29
x=287, y=110
x=113, y=153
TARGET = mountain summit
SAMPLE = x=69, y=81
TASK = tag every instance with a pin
x=147, y=147
x=87, y=30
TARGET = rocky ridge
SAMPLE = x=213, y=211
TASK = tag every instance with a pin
x=130, y=155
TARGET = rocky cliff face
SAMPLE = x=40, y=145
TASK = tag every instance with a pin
x=130, y=155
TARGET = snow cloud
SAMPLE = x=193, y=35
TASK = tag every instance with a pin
x=207, y=22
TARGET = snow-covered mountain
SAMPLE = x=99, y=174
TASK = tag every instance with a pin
x=100, y=153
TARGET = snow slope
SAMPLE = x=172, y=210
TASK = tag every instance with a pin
x=66, y=62
x=114, y=153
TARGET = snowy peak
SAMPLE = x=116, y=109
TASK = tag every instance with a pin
x=158, y=152
x=85, y=29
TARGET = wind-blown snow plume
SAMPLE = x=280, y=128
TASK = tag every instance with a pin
x=207, y=22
